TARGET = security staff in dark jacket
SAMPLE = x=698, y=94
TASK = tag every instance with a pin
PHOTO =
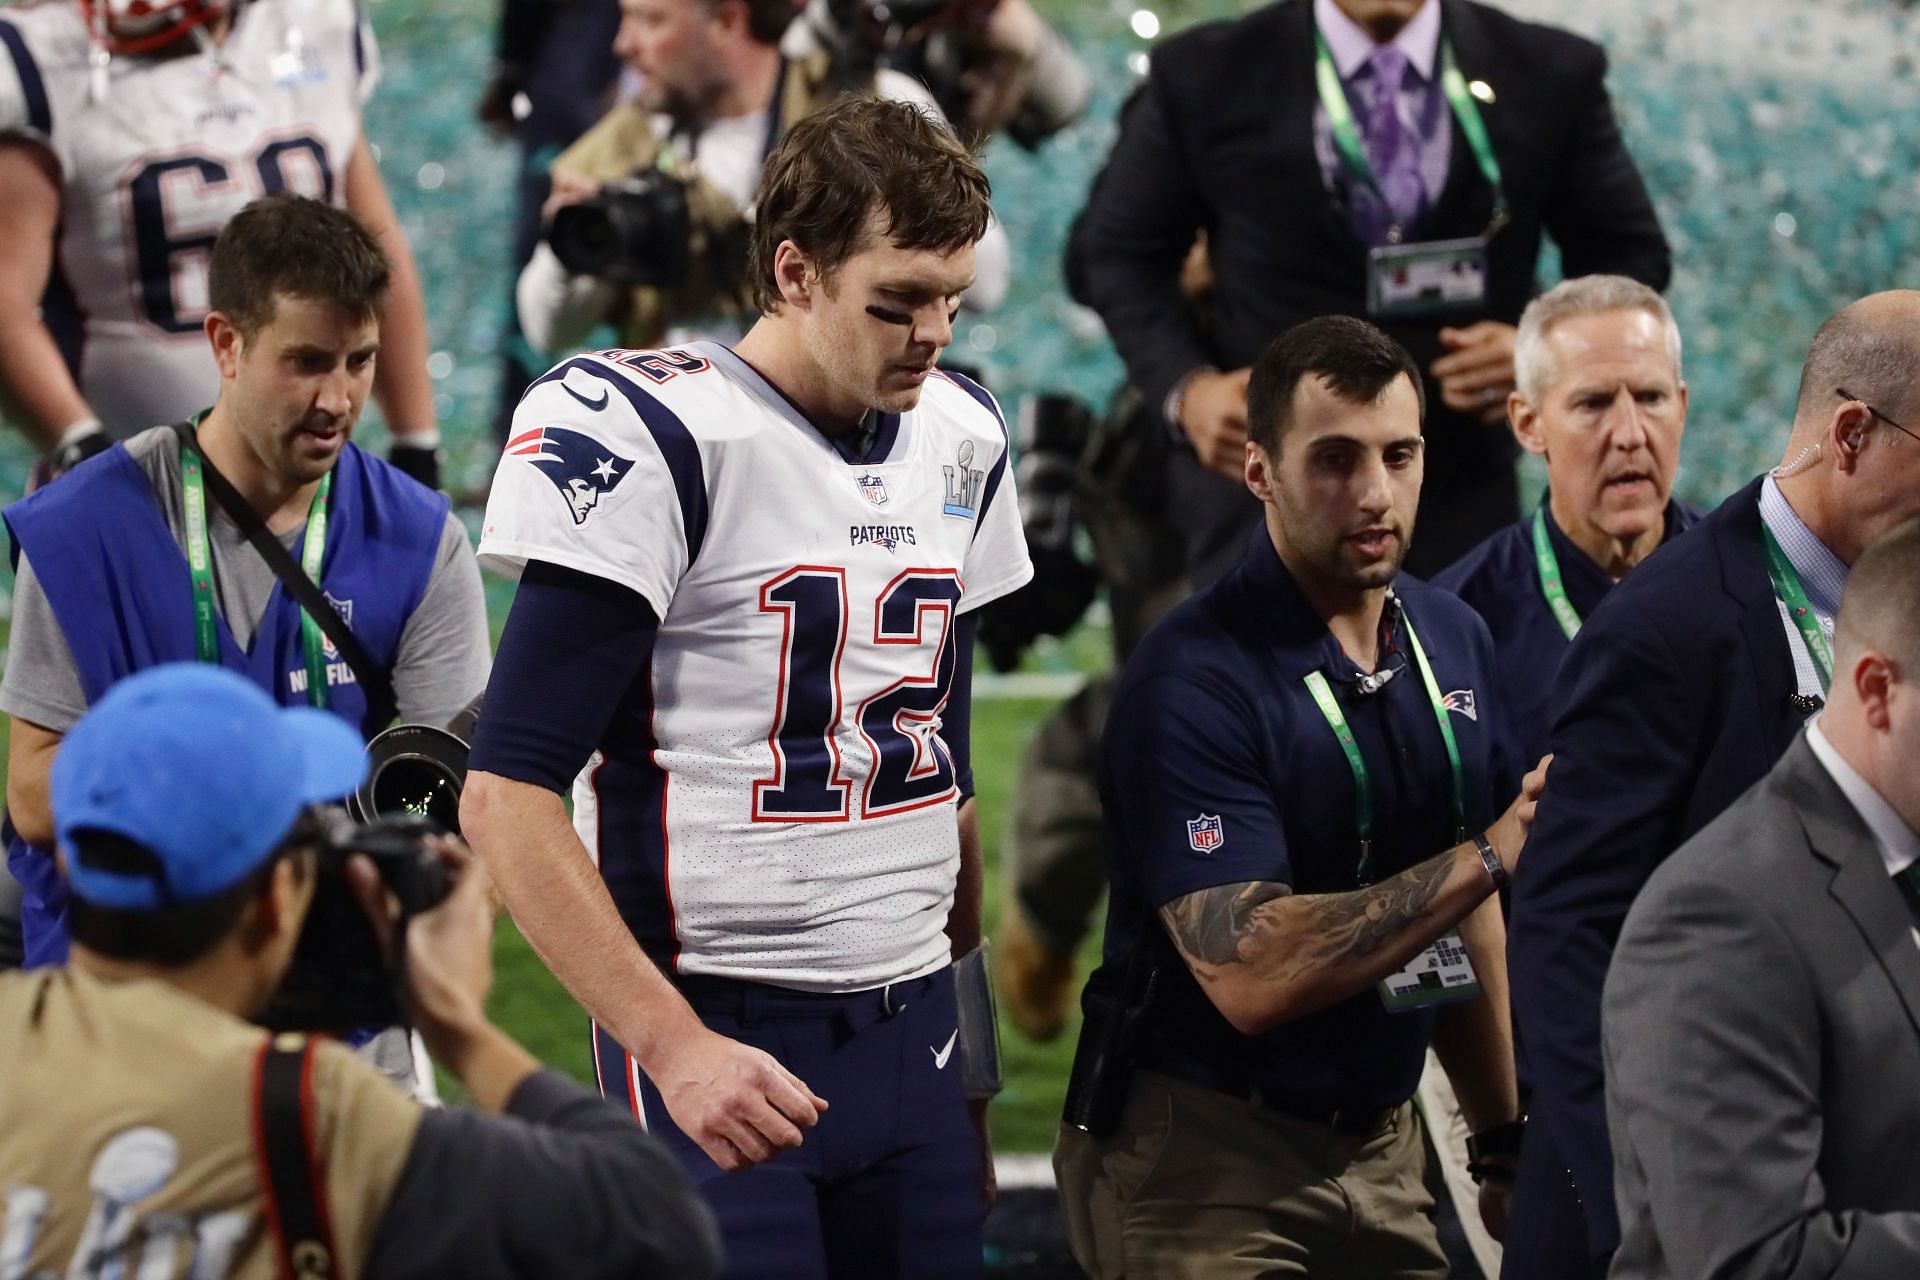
x=140, y=1120
x=1398, y=159
x=1295, y=776
x=1680, y=692
x=1601, y=399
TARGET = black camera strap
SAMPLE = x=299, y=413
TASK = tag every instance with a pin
x=382, y=705
x=293, y=1172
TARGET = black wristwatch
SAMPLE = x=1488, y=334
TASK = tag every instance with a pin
x=1501, y=1143
x=1496, y=869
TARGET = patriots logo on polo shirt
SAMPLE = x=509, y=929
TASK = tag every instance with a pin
x=581, y=468
x=1461, y=700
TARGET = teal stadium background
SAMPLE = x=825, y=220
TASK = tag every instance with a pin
x=1777, y=137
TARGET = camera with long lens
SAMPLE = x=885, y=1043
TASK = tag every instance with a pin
x=340, y=979
x=1052, y=434
x=637, y=231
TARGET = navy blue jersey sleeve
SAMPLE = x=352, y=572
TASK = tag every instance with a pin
x=956, y=722
x=574, y=649
x=1187, y=784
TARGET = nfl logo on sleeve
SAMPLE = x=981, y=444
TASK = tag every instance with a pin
x=1205, y=833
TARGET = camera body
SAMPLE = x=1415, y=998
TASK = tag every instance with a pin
x=340, y=979
x=634, y=232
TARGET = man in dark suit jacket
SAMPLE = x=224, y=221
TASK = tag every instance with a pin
x=1762, y=1016
x=1680, y=692
x=1227, y=139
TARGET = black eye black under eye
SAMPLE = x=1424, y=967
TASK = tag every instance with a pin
x=888, y=315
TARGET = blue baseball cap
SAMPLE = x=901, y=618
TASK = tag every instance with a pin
x=198, y=766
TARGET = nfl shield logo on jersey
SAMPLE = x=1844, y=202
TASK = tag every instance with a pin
x=345, y=609
x=1461, y=700
x=874, y=489
x=1206, y=833
x=581, y=468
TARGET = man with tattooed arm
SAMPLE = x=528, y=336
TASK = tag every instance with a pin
x=1304, y=860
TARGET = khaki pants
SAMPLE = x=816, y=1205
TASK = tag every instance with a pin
x=1447, y=1126
x=1194, y=1183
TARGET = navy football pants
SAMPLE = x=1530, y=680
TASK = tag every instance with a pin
x=888, y=1183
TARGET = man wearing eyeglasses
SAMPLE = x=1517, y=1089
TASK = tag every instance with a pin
x=1680, y=692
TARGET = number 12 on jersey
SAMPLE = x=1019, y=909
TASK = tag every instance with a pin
x=910, y=767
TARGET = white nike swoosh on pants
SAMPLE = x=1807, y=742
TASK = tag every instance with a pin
x=940, y=1056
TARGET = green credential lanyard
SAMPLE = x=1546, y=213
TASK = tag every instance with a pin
x=1787, y=588
x=1453, y=86
x=1550, y=585
x=1362, y=783
x=206, y=634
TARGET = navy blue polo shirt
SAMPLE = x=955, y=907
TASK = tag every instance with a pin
x=1500, y=578
x=1218, y=768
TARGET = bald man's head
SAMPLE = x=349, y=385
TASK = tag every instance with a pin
x=1881, y=608
x=1872, y=349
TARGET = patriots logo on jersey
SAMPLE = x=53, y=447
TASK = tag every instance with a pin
x=581, y=468
x=1461, y=700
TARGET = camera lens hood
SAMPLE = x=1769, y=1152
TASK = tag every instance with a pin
x=413, y=769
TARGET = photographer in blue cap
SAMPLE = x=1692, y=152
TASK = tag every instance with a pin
x=146, y=1127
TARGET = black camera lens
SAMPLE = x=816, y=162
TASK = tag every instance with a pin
x=418, y=786
x=413, y=770
x=634, y=232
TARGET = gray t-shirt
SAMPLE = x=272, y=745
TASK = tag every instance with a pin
x=443, y=658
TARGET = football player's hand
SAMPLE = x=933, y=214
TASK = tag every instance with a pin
x=989, y=1181
x=567, y=189
x=739, y=1104
x=1213, y=417
x=1476, y=374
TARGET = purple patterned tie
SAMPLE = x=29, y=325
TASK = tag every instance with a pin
x=1392, y=149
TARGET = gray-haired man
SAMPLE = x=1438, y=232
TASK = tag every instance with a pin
x=1600, y=397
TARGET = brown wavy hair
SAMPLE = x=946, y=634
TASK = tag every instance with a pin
x=834, y=168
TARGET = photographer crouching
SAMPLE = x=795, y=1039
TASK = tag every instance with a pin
x=647, y=226
x=146, y=1128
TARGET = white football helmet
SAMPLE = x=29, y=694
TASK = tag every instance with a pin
x=140, y=26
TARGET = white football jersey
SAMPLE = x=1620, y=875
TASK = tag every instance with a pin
x=155, y=156
x=780, y=806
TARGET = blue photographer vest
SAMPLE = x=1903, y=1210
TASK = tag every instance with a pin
x=118, y=584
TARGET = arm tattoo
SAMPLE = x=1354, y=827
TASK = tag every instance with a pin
x=1250, y=923
x=1209, y=925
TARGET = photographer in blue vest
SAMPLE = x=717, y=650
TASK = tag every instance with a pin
x=143, y=555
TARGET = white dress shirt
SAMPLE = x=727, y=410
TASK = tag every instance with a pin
x=1899, y=846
